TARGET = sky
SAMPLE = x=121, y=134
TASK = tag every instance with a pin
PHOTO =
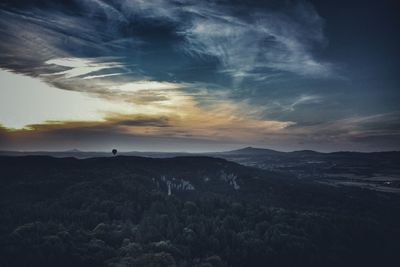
x=196, y=76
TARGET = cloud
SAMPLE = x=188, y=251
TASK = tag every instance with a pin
x=301, y=100
x=25, y=100
x=248, y=43
x=171, y=68
x=145, y=108
x=143, y=132
x=138, y=86
x=267, y=41
x=158, y=122
x=103, y=138
x=80, y=67
x=214, y=130
x=367, y=133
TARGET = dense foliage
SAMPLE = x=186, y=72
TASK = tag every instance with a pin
x=117, y=212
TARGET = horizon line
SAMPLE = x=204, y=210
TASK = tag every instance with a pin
x=191, y=152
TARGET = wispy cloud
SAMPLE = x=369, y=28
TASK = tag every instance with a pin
x=178, y=68
x=262, y=42
x=252, y=45
x=80, y=67
x=301, y=100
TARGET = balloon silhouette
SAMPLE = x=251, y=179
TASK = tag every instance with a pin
x=114, y=151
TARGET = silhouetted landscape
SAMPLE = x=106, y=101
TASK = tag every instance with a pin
x=282, y=209
x=208, y=133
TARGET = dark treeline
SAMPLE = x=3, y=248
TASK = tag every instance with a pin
x=117, y=212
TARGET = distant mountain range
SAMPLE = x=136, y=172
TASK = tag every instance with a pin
x=243, y=151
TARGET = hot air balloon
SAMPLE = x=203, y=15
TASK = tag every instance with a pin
x=114, y=151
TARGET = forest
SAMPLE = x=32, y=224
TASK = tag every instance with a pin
x=135, y=211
